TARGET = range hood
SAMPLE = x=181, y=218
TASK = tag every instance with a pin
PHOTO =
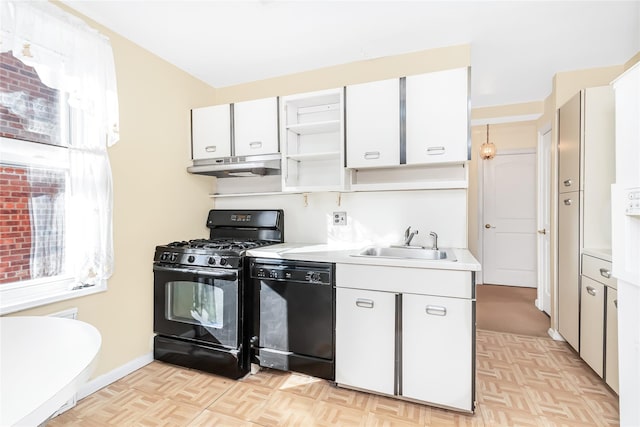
x=238, y=166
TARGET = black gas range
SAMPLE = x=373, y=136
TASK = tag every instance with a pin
x=201, y=301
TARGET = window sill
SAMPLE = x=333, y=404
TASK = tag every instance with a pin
x=11, y=302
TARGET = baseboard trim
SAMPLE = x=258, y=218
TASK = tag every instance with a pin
x=555, y=335
x=114, y=375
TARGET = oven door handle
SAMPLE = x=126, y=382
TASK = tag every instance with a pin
x=223, y=275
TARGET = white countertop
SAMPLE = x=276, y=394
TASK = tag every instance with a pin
x=43, y=361
x=326, y=253
x=604, y=254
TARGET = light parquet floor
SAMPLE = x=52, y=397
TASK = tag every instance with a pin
x=521, y=381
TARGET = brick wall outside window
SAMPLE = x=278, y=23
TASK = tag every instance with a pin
x=29, y=110
x=18, y=188
x=31, y=220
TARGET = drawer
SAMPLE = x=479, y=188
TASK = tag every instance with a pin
x=422, y=281
x=598, y=270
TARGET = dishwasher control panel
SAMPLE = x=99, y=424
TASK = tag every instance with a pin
x=293, y=272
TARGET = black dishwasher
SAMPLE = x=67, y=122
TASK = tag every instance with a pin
x=293, y=316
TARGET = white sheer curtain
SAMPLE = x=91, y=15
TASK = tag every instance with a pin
x=74, y=58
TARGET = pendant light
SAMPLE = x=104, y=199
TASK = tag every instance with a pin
x=488, y=149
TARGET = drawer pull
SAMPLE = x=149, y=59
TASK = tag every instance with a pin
x=371, y=155
x=255, y=144
x=605, y=273
x=364, y=303
x=615, y=302
x=210, y=148
x=591, y=291
x=567, y=202
x=567, y=183
x=436, y=310
x=435, y=151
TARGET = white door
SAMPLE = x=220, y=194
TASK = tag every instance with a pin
x=509, y=216
x=373, y=124
x=365, y=339
x=544, y=223
x=437, y=117
x=255, y=126
x=211, y=132
x=437, y=353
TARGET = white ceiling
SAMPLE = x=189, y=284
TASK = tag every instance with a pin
x=516, y=46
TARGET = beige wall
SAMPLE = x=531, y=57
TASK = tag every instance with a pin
x=356, y=72
x=155, y=200
x=507, y=136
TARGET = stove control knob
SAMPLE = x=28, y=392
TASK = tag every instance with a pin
x=223, y=261
x=191, y=258
x=211, y=260
x=174, y=257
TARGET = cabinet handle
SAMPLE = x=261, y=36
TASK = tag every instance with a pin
x=567, y=202
x=435, y=151
x=364, y=303
x=255, y=144
x=371, y=155
x=591, y=291
x=436, y=310
x=567, y=183
x=210, y=148
x=605, y=273
x=615, y=302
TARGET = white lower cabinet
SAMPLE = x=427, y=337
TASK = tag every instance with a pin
x=592, y=324
x=611, y=353
x=394, y=339
x=437, y=340
x=365, y=339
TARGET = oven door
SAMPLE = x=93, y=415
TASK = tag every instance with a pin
x=201, y=305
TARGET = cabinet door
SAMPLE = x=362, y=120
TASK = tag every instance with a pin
x=569, y=131
x=373, y=124
x=592, y=324
x=255, y=126
x=365, y=339
x=611, y=347
x=211, y=132
x=438, y=117
x=569, y=266
x=437, y=350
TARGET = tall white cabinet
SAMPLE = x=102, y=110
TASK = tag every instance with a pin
x=585, y=174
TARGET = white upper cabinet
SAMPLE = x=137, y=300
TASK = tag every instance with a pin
x=437, y=117
x=211, y=132
x=373, y=124
x=255, y=126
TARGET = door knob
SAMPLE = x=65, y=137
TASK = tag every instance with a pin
x=543, y=231
x=488, y=226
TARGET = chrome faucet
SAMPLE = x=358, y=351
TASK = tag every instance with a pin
x=408, y=236
x=435, y=240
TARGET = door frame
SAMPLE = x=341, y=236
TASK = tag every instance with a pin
x=543, y=193
x=480, y=219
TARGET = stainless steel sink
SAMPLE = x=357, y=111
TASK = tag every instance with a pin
x=408, y=253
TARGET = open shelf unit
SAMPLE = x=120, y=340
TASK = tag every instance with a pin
x=312, y=141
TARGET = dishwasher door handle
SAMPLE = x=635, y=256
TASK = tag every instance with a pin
x=364, y=303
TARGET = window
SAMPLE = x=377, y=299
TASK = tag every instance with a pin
x=58, y=114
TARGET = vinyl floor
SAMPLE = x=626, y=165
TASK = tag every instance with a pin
x=510, y=309
x=521, y=381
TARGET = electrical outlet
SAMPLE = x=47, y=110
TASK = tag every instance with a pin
x=339, y=218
